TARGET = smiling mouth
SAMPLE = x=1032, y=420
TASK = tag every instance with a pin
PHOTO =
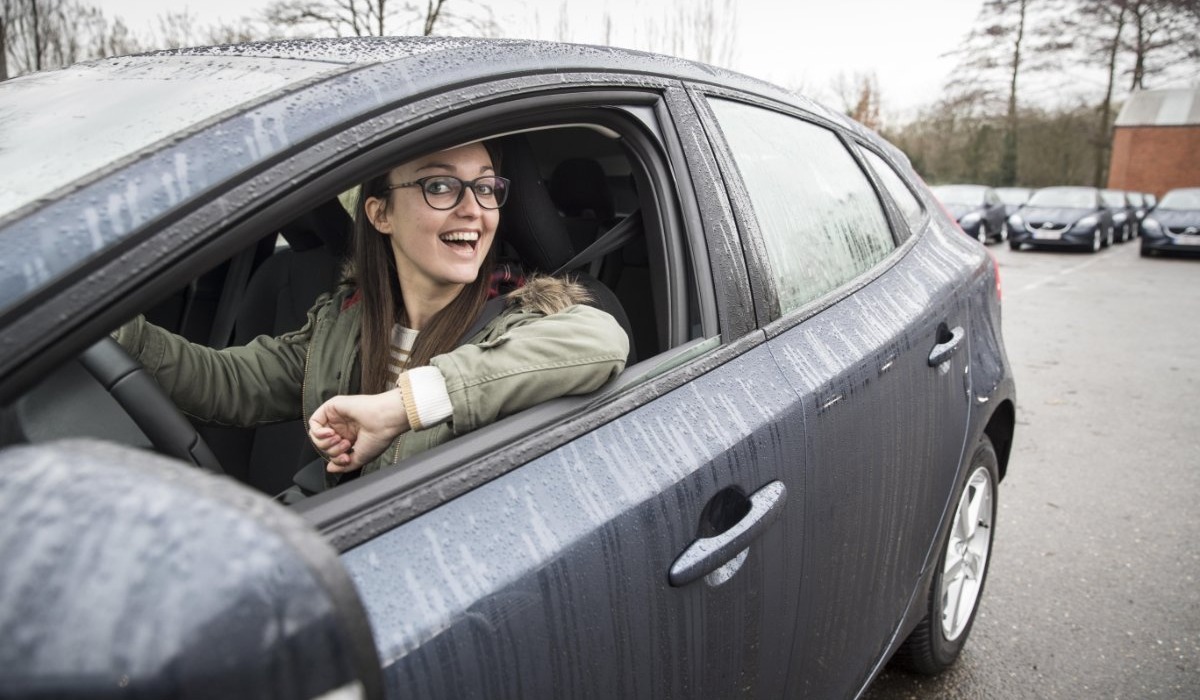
x=461, y=241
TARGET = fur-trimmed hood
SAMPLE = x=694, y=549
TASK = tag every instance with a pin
x=549, y=295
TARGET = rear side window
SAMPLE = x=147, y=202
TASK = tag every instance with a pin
x=903, y=196
x=821, y=221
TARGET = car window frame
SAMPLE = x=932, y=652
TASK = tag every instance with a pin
x=204, y=236
x=903, y=229
x=768, y=309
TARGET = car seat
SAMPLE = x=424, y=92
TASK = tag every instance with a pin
x=276, y=300
x=532, y=225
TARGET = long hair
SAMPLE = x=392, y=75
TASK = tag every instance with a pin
x=373, y=270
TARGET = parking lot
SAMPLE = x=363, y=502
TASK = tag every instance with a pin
x=1093, y=585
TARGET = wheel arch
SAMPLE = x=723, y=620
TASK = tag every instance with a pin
x=999, y=430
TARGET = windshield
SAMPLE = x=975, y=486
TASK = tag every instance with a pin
x=1013, y=195
x=58, y=126
x=1112, y=198
x=960, y=194
x=1064, y=197
x=1181, y=199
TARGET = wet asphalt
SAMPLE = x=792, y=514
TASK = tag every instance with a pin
x=1094, y=586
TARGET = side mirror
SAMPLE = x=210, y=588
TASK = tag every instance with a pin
x=129, y=575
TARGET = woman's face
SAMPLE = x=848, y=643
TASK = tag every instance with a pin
x=436, y=250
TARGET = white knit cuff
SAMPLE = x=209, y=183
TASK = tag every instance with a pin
x=425, y=397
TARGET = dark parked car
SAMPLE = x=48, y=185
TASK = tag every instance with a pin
x=1174, y=225
x=794, y=478
x=1014, y=198
x=1140, y=207
x=1124, y=214
x=1062, y=217
x=978, y=210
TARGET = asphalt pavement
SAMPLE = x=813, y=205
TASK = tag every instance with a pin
x=1093, y=589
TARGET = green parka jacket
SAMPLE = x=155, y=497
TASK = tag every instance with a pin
x=545, y=344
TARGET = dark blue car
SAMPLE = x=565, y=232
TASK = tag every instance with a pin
x=1173, y=225
x=793, y=481
x=1063, y=217
x=978, y=209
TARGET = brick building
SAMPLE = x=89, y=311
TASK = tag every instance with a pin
x=1156, y=142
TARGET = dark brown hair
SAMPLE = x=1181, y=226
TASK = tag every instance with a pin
x=373, y=271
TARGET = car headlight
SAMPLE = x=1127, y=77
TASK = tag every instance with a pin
x=1151, y=226
x=1118, y=218
x=1088, y=221
x=969, y=219
x=1015, y=221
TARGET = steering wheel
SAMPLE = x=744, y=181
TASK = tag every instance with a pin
x=147, y=404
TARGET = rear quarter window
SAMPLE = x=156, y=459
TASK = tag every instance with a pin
x=910, y=206
x=821, y=221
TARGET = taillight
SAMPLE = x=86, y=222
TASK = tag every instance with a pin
x=996, y=271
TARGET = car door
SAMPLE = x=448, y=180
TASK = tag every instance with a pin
x=872, y=336
x=644, y=548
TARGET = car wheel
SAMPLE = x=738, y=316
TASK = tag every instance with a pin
x=957, y=585
x=1014, y=245
x=982, y=235
x=1109, y=240
x=1096, y=241
x=1004, y=232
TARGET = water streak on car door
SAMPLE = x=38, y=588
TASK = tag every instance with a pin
x=553, y=579
x=885, y=438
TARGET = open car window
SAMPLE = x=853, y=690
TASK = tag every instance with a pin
x=579, y=181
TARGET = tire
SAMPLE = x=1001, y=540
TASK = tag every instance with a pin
x=957, y=587
x=982, y=235
x=1014, y=245
x=1096, y=245
x=1109, y=241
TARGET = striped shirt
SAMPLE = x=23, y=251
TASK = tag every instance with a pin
x=402, y=343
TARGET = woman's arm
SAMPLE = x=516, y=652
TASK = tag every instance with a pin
x=243, y=386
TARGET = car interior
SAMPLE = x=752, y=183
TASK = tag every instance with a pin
x=576, y=207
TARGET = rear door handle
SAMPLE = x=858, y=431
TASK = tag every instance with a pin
x=946, y=347
x=707, y=554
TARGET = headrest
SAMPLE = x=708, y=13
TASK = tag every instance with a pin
x=529, y=221
x=326, y=225
x=579, y=186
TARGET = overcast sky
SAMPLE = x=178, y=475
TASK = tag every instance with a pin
x=795, y=43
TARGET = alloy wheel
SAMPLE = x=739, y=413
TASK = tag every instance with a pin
x=966, y=554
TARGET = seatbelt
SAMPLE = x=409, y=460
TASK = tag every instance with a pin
x=611, y=240
x=490, y=310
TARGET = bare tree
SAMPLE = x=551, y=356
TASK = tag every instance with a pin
x=375, y=17
x=1011, y=38
x=860, y=97
x=44, y=34
x=1163, y=32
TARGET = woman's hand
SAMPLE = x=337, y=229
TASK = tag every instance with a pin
x=353, y=430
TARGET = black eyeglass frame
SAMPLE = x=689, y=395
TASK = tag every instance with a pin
x=463, y=186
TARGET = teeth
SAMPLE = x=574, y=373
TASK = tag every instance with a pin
x=460, y=236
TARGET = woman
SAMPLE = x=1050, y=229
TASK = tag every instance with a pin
x=382, y=370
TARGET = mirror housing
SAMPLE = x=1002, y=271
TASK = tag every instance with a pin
x=127, y=574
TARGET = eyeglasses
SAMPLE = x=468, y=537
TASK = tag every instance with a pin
x=444, y=192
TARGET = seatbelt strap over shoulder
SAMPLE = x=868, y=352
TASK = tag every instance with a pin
x=611, y=240
x=490, y=310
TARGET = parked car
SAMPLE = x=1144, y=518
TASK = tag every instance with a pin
x=1014, y=198
x=794, y=478
x=1124, y=215
x=1062, y=217
x=1173, y=225
x=1138, y=200
x=978, y=209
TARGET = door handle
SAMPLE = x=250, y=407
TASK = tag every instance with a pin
x=946, y=346
x=707, y=554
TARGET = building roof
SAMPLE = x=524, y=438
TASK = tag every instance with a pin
x=1179, y=107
